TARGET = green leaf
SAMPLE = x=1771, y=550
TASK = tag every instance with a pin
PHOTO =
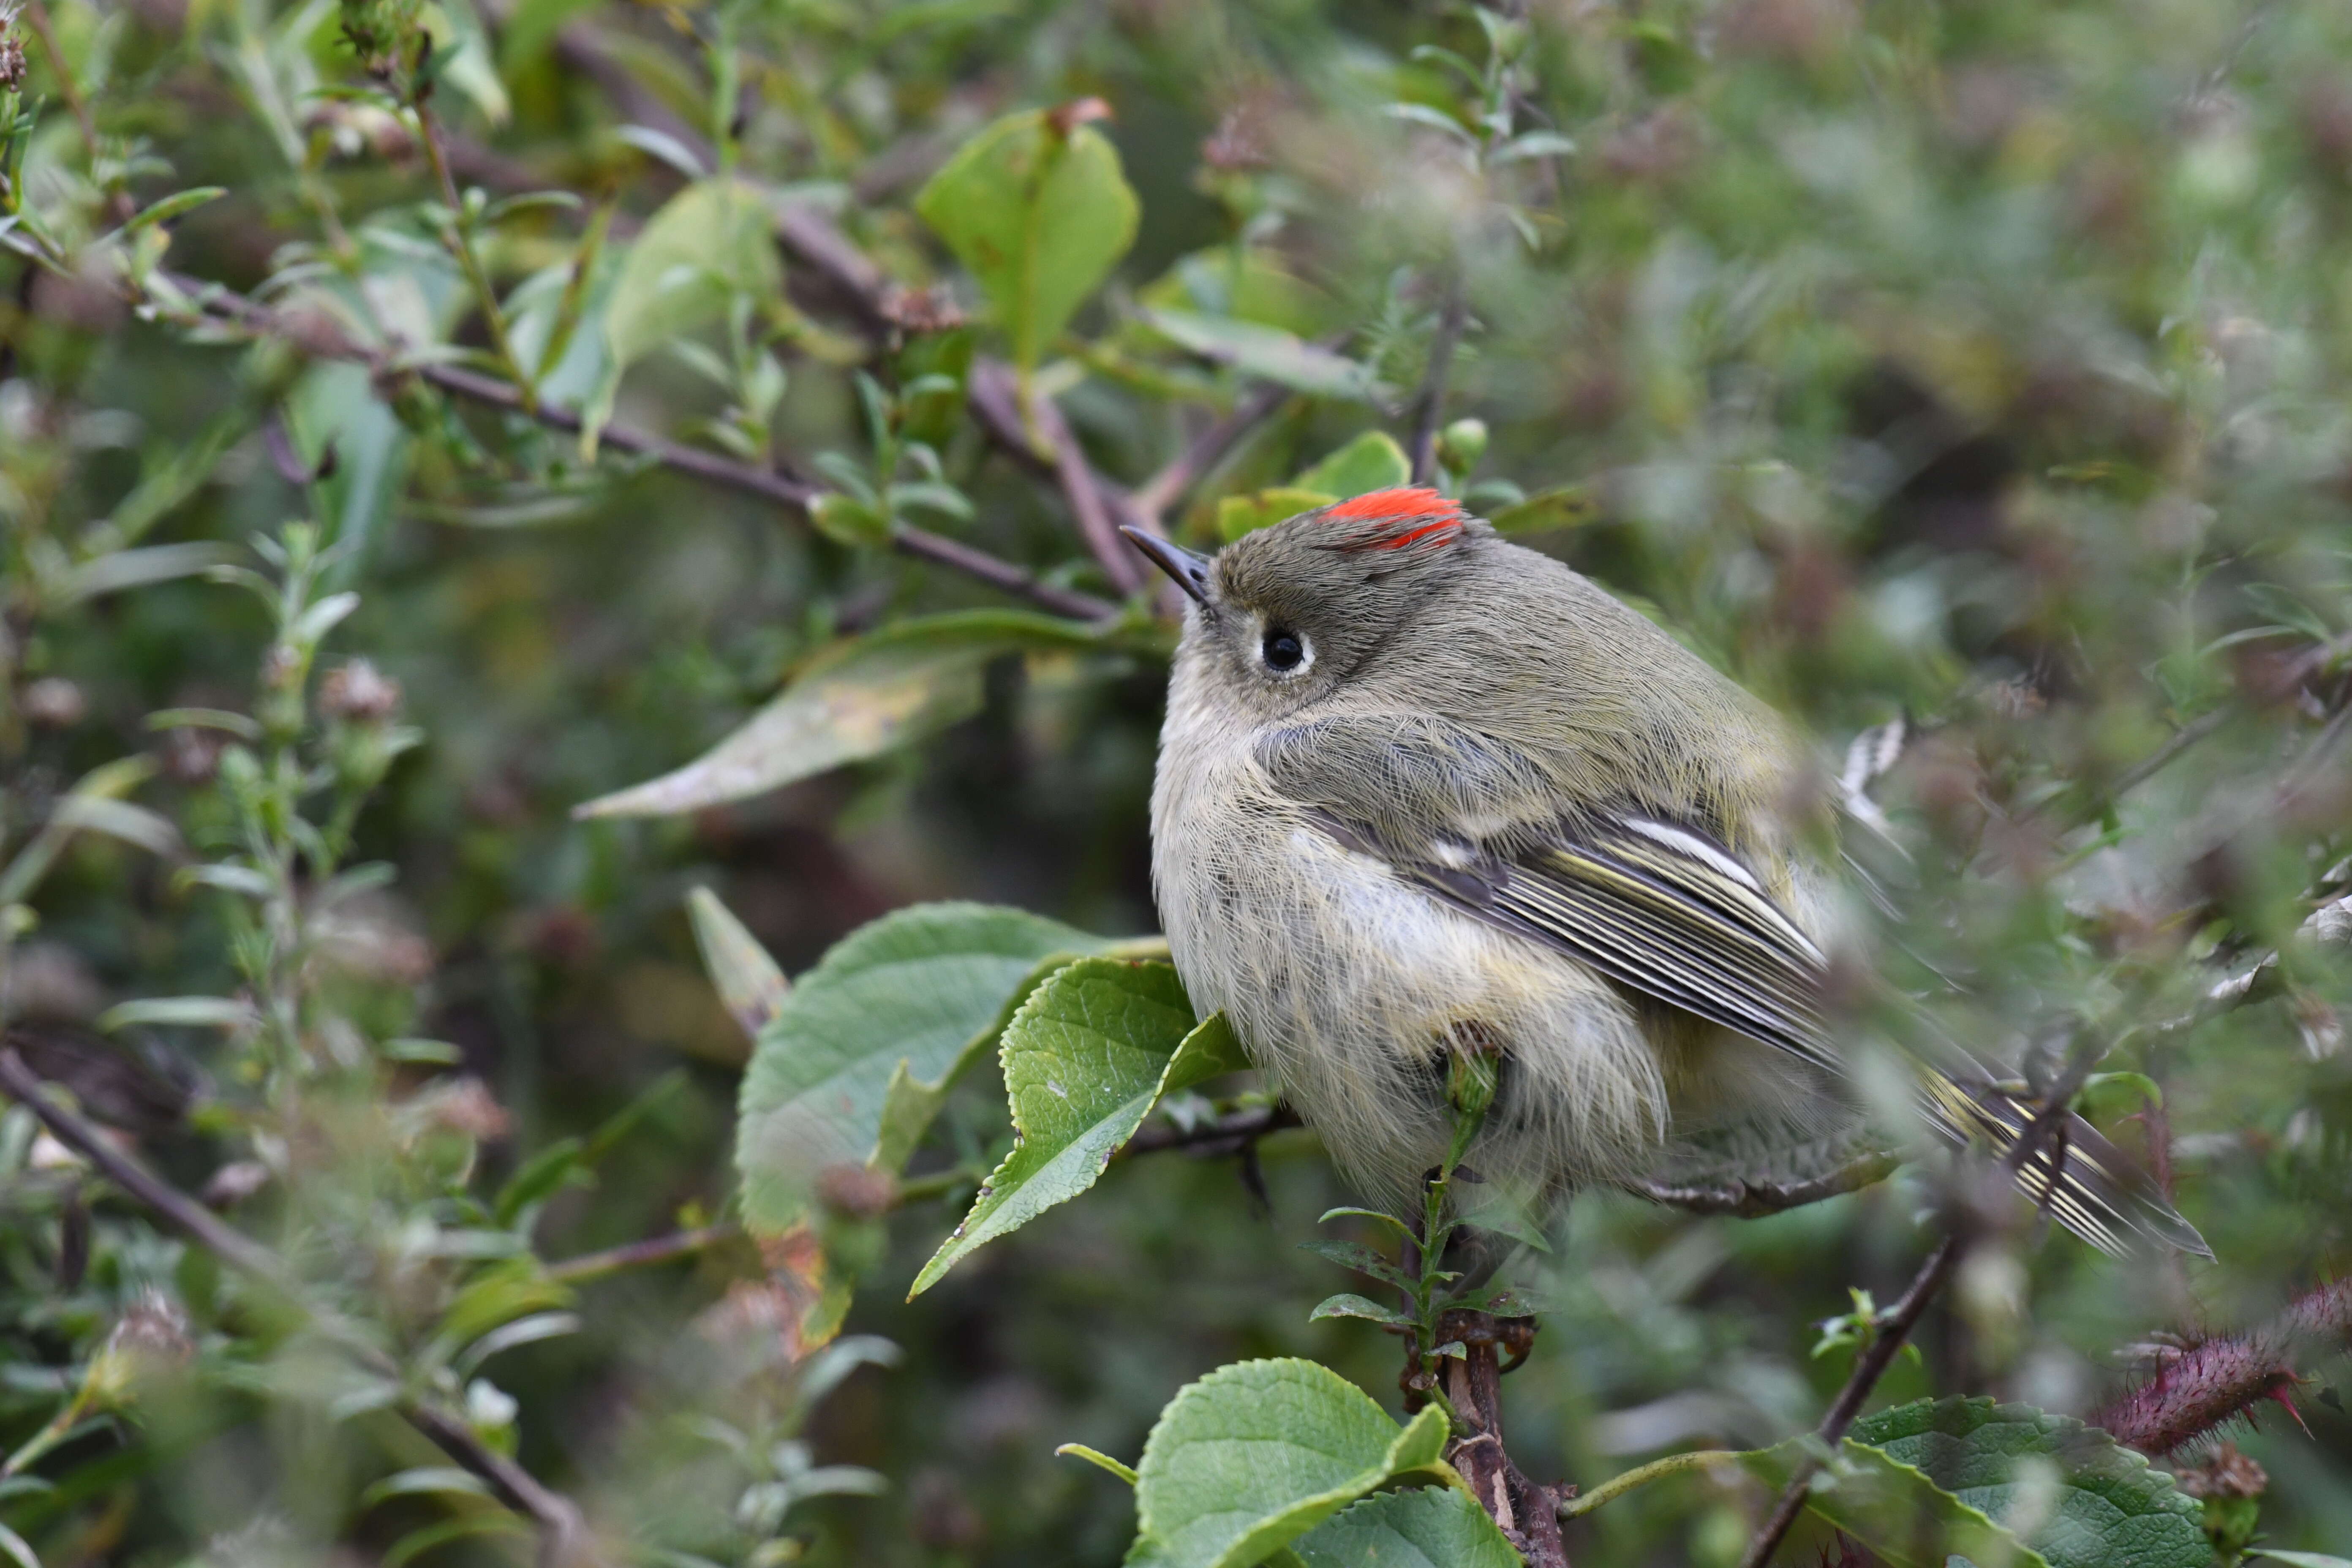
x=120, y=569
x=2110, y=1507
x=2302, y=1559
x=1097, y=1459
x=1269, y=353
x=1562, y=507
x=750, y=985
x=541, y=1176
x=1237, y=515
x=1085, y=1058
x=1435, y=1527
x=1256, y=1455
x=173, y=205
x=423, y=1482
x=856, y=700
x=928, y=987
x=1891, y=1508
x=1350, y=1306
x=189, y=1012
x=1964, y=1477
x=709, y=244
x=1355, y=1255
x=1039, y=214
x=1372, y=461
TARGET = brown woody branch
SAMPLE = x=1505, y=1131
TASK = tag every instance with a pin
x=1749, y=1200
x=1155, y=496
x=564, y=1539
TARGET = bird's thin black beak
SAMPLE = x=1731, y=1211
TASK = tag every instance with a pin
x=1188, y=571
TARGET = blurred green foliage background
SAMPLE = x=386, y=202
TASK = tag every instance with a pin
x=1984, y=364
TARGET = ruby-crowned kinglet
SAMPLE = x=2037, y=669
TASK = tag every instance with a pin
x=1423, y=792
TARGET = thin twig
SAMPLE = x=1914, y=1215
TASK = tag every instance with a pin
x=2312, y=662
x=317, y=336
x=1749, y=1200
x=1155, y=496
x=1431, y=412
x=459, y=240
x=564, y=1539
x=1872, y=1364
x=1223, y=1135
x=646, y=1254
x=1076, y=476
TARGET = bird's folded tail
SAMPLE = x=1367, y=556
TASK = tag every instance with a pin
x=2086, y=1184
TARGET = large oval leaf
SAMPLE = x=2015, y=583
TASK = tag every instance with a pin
x=857, y=700
x=1039, y=211
x=1085, y=1058
x=1256, y=1455
x=1434, y=1527
x=1941, y=1479
x=2110, y=1509
x=915, y=996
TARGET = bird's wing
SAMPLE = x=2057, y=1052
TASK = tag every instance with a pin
x=1658, y=906
x=1665, y=908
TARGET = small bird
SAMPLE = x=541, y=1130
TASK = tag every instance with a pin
x=1422, y=791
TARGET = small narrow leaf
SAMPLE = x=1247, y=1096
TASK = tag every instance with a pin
x=1269, y=353
x=1355, y=1255
x=196, y=1012
x=1347, y=1306
x=749, y=984
x=1097, y=1459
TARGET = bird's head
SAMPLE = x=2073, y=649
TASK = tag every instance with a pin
x=1286, y=614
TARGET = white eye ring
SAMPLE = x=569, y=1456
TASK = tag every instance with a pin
x=1285, y=652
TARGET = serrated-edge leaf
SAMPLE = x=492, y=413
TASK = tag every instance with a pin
x=1281, y=1426
x=2135, y=1510
x=1864, y=1484
x=943, y=976
x=1434, y=1527
x=1037, y=1176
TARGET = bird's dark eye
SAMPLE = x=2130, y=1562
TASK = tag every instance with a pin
x=1283, y=651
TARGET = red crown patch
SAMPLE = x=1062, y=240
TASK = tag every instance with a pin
x=1398, y=520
